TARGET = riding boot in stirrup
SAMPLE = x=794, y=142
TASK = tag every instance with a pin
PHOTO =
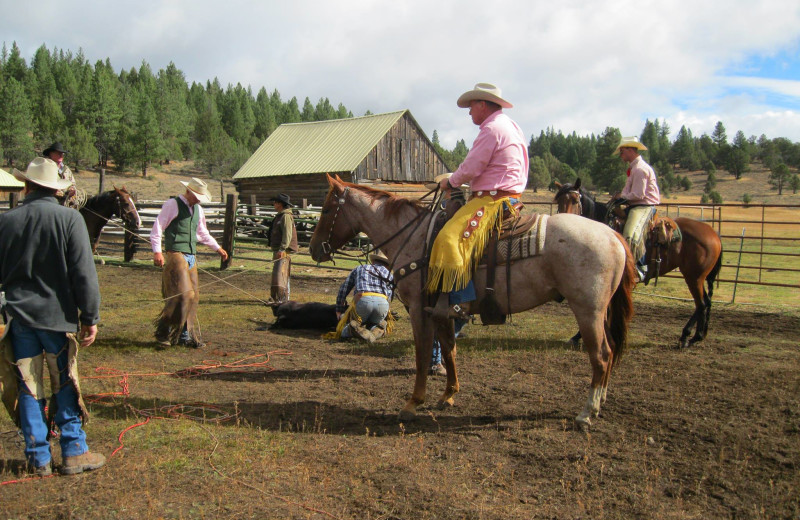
x=445, y=311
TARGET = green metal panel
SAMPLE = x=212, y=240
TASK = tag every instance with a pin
x=9, y=181
x=324, y=146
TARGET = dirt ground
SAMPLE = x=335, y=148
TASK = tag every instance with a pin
x=708, y=432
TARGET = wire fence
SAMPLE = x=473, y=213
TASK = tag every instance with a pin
x=761, y=242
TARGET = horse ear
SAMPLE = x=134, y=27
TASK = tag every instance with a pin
x=557, y=185
x=577, y=184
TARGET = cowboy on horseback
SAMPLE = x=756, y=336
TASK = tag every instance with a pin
x=496, y=170
x=56, y=152
x=181, y=223
x=642, y=195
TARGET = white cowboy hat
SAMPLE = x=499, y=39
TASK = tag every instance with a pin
x=483, y=92
x=44, y=172
x=629, y=142
x=199, y=188
x=377, y=255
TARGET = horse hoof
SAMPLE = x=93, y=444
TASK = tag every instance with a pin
x=583, y=426
x=444, y=404
x=406, y=415
x=574, y=343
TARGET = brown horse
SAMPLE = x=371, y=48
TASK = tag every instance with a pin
x=600, y=298
x=99, y=209
x=698, y=255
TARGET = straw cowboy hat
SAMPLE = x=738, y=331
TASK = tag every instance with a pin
x=483, y=92
x=199, y=188
x=55, y=147
x=44, y=172
x=378, y=256
x=629, y=142
x=283, y=199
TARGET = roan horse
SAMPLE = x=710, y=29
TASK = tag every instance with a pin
x=100, y=208
x=697, y=254
x=600, y=299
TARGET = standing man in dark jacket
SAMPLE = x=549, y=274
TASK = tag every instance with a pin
x=49, y=287
x=282, y=240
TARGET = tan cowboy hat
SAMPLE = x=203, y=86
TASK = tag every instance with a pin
x=199, y=188
x=483, y=92
x=378, y=256
x=44, y=172
x=436, y=180
x=629, y=142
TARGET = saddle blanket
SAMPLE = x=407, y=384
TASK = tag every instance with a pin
x=523, y=246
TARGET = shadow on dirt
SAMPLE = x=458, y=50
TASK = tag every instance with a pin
x=323, y=418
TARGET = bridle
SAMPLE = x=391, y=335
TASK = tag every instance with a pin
x=340, y=202
x=580, y=199
x=126, y=214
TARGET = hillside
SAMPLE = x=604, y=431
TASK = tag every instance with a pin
x=164, y=181
x=754, y=183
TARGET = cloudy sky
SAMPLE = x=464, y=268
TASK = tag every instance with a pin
x=574, y=65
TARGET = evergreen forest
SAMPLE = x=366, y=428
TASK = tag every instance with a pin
x=135, y=119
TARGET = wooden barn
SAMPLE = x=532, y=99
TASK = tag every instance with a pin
x=388, y=151
x=9, y=184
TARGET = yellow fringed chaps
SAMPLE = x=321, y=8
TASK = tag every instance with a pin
x=459, y=246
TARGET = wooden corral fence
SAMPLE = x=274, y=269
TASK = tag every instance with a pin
x=761, y=242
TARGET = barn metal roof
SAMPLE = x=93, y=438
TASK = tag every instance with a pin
x=337, y=145
x=9, y=181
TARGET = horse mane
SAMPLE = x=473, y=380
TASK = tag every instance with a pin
x=392, y=203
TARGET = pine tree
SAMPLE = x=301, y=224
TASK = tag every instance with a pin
x=780, y=176
x=608, y=166
x=147, y=140
x=16, y=124
x=308, y=111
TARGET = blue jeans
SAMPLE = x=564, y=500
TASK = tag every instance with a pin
x=372, y=310
x=29, y=342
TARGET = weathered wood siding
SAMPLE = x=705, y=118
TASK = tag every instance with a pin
x=404, y=154
x=400, y=163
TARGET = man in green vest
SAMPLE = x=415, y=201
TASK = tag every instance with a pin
x=282, y=240
x=181, y=224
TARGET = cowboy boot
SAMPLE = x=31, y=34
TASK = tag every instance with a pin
x=361, y=331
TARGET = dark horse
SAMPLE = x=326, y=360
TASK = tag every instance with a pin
x=100, y=208
x=696, y=252
x=600, y=298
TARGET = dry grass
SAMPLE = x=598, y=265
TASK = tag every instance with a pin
x=710, y=432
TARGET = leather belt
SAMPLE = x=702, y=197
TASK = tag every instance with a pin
x=496, y=194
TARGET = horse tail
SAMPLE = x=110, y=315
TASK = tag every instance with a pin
x=713, y=275
x=620, y=309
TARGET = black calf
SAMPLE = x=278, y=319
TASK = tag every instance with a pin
x=309, y=315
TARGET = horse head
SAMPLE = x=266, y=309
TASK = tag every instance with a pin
x=126, y=208
x=569, y=198
x=334, y=229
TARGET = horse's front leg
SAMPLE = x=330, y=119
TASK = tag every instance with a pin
x=447, y=339
x=422, y=327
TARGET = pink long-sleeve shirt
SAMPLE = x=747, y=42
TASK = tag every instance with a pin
x=168, y=212
x=641, y=186
x=498, y=159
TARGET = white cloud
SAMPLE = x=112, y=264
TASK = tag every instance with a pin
x=573, y=65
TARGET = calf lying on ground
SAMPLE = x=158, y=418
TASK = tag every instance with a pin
x=309, y=315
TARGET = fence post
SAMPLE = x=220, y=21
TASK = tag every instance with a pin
x=13, y=200
x=253, y=209
x=229, y=230
x=738, y=265
x=102, y=178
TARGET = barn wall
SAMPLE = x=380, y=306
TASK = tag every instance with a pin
x=402, y=155
x=313, y=187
